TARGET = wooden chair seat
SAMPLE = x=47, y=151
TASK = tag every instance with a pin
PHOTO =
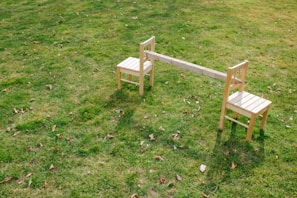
x=131, y=66
x=247, y=104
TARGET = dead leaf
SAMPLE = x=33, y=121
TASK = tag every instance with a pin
x=56, y=149
x=30, y=182
x=161, y=128
x=205, y=195
x=157, y=157
x=145, y=117
x=52, y=167
x=28, y=175
x=186, y=111
x=45, y=185
x=49, y=86
x=175, y=136
x=162, y=180
x=30, y=148
x=171, y=191
x=152, y=170
x=20, y=181
x=202, y=168
x=141, y=143
x=135, y=195
x=6, y=179
x=178, y=178
x=171, y=184
x=233, y=165
x=15, y=111
x=59, y=136
x=54, y=128
x=8, y=129
x=152, y=138
x=109, y=136
x=16, y=133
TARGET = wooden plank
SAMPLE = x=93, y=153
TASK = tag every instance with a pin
x=186, y=65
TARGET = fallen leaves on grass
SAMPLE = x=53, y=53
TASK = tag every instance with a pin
x=158, y=157
x=49, y=86
x=178, y=178
x=54, y=128
x=45, y=186
x=109, y=136
x=16, y=133
x=152, y=137
x=135, y=195
x=161, y=128
x=153, y=170
x=202, y=168
x=233, y=165
x=6, y=179
x=162, y=180
x=175, y=136
x=52, y=167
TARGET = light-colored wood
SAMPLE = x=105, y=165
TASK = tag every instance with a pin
x=242, y=102
x=186, y=65
x=138, y=66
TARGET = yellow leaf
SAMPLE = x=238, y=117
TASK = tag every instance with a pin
x=54, y=128
x=52, y=167
x=157, y=157
x=233, y=165
x=6, y=179
x=151, y=136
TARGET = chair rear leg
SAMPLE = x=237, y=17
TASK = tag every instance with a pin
x=152, y=78
x=141, y=85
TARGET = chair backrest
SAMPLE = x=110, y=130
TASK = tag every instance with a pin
x=236, y=78
x=146, y=45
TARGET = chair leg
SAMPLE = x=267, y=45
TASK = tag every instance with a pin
x=251, y=127
x=152, y=77
x=264, y=119
x=141, y=85
x=222, y=119
x=119, y=76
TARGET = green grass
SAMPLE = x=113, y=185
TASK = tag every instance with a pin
x=75, y=47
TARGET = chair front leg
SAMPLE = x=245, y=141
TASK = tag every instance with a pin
x=119, y=76
x=264, y=119
x=251, y=127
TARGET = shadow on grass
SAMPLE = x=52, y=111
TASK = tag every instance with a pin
x=123, y=104
x=232, y=160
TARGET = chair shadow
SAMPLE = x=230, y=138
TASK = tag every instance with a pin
x=232, y=158
x=123, y=105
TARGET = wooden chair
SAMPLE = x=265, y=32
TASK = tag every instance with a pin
x=242, y=102
x=138, y=66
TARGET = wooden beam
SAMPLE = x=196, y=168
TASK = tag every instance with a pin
x=186, y=65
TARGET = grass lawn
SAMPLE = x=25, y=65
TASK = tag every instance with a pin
x=66, y=131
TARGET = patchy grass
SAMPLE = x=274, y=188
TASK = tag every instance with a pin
x=66, y=131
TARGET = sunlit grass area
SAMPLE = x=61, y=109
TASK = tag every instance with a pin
x=66, y=131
